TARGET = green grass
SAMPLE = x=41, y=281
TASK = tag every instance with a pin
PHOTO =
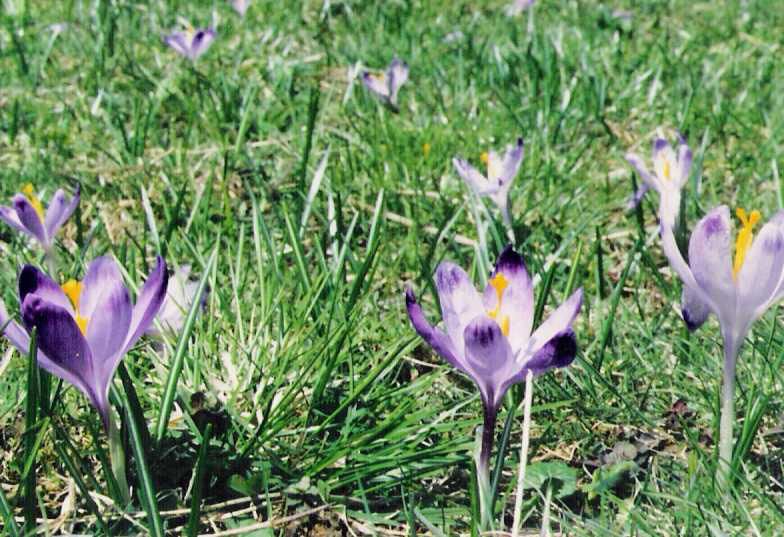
x=317, y=390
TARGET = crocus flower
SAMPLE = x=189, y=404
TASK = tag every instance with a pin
x=488, y=336
x=671, y=171
x=85, y=328
x=180, y=295
x=387, y=84
x=738, y=291
x=501, y=171
x=518, y=6
x=191, y=43
x=26, y=214
x=240, y=6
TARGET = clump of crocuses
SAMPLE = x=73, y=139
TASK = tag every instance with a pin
x=489, y=337
x=192, y=42
x=386, y=84
x=27, y=214
x=84, y=328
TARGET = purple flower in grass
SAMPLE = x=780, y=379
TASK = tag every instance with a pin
x=501, y=171
x=489, y=336
x=518, y=6
x=387, y=84
x=738, y=291
x=671, y=170
x=26, y=214
x=85, y=328
x=191, y=43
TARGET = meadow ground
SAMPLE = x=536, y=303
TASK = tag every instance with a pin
x=322, y=402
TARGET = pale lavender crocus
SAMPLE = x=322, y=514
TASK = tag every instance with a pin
x=180, y=296
x=501, y=171
x=27, y=214
x=738, y=291
x=671, y=170
x=240, y=6
x=84, y=328
x=387, y=84
x=489, y=337
x=192, y=42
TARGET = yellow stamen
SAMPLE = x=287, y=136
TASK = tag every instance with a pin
x=485, y=158
x=73, y=290
x=29, y=193
x=426, y=149
x=745, y=237
x=499, y=283
x=666, y=169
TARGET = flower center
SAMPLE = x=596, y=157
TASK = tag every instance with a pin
x=666, y=169
x=745, y=236
x=499, y=283
x=73, y=290
x=29, y=193
x=492, y=165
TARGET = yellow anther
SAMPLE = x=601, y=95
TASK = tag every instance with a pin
x=29, y=191
x=485, y=158
x=499, y=283
x=666, y=169
x=73, y=290
x=81, y=322
x=745, y=237
x=426, y=149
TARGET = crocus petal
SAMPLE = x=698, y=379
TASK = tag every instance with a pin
x=642, y=171
x=178, y=42
x=30, y=219
x=517, y=300
x=559, y=321
x=60, y=209
x=761, y=272
x=32, y=280
x=11, y=330
x=489, y=358
x=103, y=278
x=148, y=303
x=511, y=163
x=433, y=336
x=460, y=301
x=68, y=354
x=475, y=180
x=559, y=351
x=107, y=326
x=636, y=198
x=694, y=311
x=9, y=216
x=202, y=40
x=180, y=296
x=710, y=260
x=377, y=83
x=397, y=75
x=240, y=6
x=684, y=163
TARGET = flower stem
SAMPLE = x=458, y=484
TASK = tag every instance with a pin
x=51, y=263
x=117, y=459
x=529, y=394
x=482, y=460
x=727, y=420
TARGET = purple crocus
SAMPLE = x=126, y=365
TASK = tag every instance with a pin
x=180, y=295
x=191, y=43
x=85, y=328
x=26, y=214
x=670, y=173
x=501, y=171
x=738, y=291
x=387, y=84
x=488, y=336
